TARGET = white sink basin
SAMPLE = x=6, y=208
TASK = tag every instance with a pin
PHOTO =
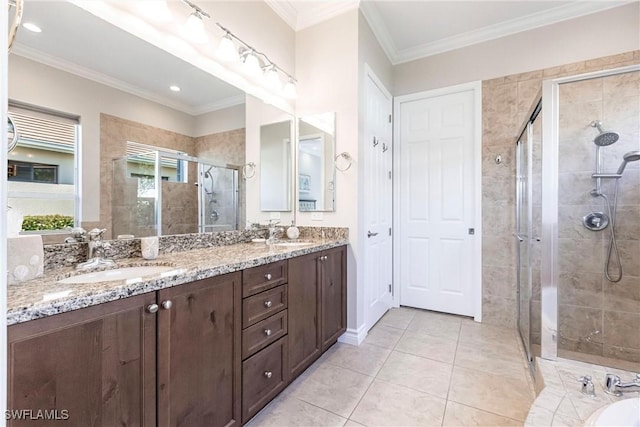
x=292, y=244
x=621, y=413
x=118, y=274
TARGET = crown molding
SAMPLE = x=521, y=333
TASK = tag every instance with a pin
x=89, y=74
x=309, y=15
x=492, y=32
x=285, y=10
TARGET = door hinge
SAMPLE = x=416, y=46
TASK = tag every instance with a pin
x=389, y=287
x=390, y=117
x=389, y=231
x=389, y=174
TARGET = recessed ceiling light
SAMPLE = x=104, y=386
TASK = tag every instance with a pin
x=175, y=88
x=32, y=27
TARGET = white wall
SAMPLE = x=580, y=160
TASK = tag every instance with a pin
x=257, y=114
x=601, y=34
x=219, y=121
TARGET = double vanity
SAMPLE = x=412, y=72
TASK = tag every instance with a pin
x=204, y=337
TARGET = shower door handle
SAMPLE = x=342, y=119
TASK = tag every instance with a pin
x=519, y=237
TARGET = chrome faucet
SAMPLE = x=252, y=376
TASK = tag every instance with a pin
x=613, y=384
x=96, y=250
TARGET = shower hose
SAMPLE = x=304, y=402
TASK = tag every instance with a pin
x=612, y=251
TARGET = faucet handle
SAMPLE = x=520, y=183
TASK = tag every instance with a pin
x=96, y=233
x=587, y=385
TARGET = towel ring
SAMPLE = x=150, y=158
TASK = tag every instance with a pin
x=12, y=130
x=249, y=170
x=347, y=158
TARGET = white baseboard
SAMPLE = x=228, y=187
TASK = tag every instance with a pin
x=354, y=336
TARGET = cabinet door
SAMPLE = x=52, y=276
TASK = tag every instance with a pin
x=95, y=366
x=304, y=312
x=199, y=353
x=334, y=295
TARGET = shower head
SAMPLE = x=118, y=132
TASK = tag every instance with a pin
x=631, y=156
x=604, y=138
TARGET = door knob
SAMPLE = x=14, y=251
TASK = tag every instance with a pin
x=167, y=304
x=152, y=308
x=268, y=276
x=268, y=304
x=268, y=374
x=267, y=332
x=370, y=234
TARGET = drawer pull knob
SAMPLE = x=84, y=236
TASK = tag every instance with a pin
x=267, y=332
x=152, y=308
x=167, y=304
x=268, y=276
x=268, y=374
x=268, y=304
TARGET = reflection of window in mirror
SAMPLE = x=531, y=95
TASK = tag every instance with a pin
x=275, y=167
x=43, y=168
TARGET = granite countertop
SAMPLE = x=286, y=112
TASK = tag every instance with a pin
x=45, y=296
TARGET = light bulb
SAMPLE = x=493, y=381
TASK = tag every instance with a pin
x=251, y=65
x=194, y=29
x=227, y=50
x=156, y=10
x=272, y=79
x=290, y=89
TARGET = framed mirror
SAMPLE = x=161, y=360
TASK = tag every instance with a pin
x=316, y=168
x=80, y=66
x=275, y=167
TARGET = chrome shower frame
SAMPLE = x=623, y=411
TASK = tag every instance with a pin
x=550, y=179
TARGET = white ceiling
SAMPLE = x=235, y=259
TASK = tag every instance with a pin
x=76, y=41
x=409, y=30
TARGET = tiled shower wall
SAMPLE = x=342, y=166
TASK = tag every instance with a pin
x=597, y=316
x=505, y=104
x=225, y=147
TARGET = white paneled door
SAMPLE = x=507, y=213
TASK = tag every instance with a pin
x=378, y=200
x=437, y=198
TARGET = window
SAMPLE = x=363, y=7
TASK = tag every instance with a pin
x=43, y=167
x=33, y=172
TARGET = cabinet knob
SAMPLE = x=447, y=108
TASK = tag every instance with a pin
x=268, y=374
x=267, y=332
x=152, y=308
x=268, y=304
x=167, y=304
x=268, y=276
x=323, y=258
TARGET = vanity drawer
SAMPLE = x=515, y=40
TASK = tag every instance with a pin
x=263, y=277
x=260, y=335
x=263, y=305
x=263, y=377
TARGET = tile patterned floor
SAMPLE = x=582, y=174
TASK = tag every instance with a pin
x=415, y=368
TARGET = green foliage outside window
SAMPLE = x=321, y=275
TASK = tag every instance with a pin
x=46, y=222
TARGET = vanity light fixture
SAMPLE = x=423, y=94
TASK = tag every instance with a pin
x=290, y=89
x=174, y=88
x=250, y=63
x=32, y=27
x=254, y=63
x=227, y=51
x=193, y=29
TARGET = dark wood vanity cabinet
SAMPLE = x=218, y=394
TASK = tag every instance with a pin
x=207, y=353
x=96, y=366
x=99, y=363
x=199, y=353
x=317, y=305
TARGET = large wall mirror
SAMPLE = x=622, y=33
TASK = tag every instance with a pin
x=118, y=89
x=316, y=167
x=275, y=167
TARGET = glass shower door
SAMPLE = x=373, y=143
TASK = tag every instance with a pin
x=523, y=240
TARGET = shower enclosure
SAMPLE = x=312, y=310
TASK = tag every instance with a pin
x=162, y=192
x=578, y=220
